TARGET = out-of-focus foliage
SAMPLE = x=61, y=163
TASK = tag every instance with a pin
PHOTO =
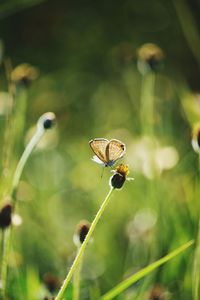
x=86, y=52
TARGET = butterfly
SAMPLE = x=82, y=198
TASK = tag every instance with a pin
x=107, y=152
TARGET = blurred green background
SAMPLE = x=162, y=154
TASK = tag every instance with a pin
x=87, y=56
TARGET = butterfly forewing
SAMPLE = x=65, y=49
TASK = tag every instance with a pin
x=99, y=148
x=115, y=150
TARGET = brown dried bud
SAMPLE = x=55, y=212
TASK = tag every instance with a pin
x=81, y=232
x=5, y=216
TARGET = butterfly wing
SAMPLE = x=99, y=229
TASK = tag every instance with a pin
x=114, y=151
x=98, y=146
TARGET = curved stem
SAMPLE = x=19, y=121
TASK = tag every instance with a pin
x=18, y=172
x=83, y=246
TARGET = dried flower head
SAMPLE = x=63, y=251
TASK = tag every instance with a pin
x=150, y=58
x=196, y=137
x=158, y=293
x=119, y=176
x=24, y=74
x=46, y=121
x=5, y=216
x=52, y=282
x=81, y=232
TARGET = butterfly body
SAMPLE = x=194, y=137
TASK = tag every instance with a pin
x=107, y=152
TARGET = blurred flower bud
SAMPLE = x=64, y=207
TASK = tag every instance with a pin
x=52, y=282
x=158, y=293
x=81, y=232
x=46, y=121
x=119, y=177
x=150, y=58
x=196, y=137
x=23, y=75
x=5, y=216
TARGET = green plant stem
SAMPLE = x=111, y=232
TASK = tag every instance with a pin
x=5, y=251
x=196, y=267
x=76, y=281
x=20, y=105
x=135, y=277
x=83, y=246
x=7, y=232
x=29, y=148
x=147, y=103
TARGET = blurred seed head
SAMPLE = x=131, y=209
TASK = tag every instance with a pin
x=119, y=176
x=150, y=58
x=51, y=282
x=158, y=293
x=5, y=216
x=23, y=75
x=81, y=232
x=196, y=137
x=46, y=121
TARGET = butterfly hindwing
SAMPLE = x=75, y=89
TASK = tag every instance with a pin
x=115, y=150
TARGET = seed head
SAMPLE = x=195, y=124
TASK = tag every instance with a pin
x=5, y=216
x=158, y=293
x=23, y=75
x=81, y=232
x=119, y=176
x=46, y=121
x=52, y=282
x=150, y=58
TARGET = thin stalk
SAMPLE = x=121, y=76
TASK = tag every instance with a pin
x=147, y=103
x=83, y=246
x=29, y=148
x=196, y=268
x=19, y=116
x=122, y=286
x=76, y=281
x=5, y=251
x=7, y=232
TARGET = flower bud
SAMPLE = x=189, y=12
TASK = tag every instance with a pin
x=150, y=58
x=46, y=121
x=158, y=293
x=5, y=216
x=23, y=75
x=119, y=176
x=81, y=232
x=52, y=282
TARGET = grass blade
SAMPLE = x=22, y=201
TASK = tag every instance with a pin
x=132, y=279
